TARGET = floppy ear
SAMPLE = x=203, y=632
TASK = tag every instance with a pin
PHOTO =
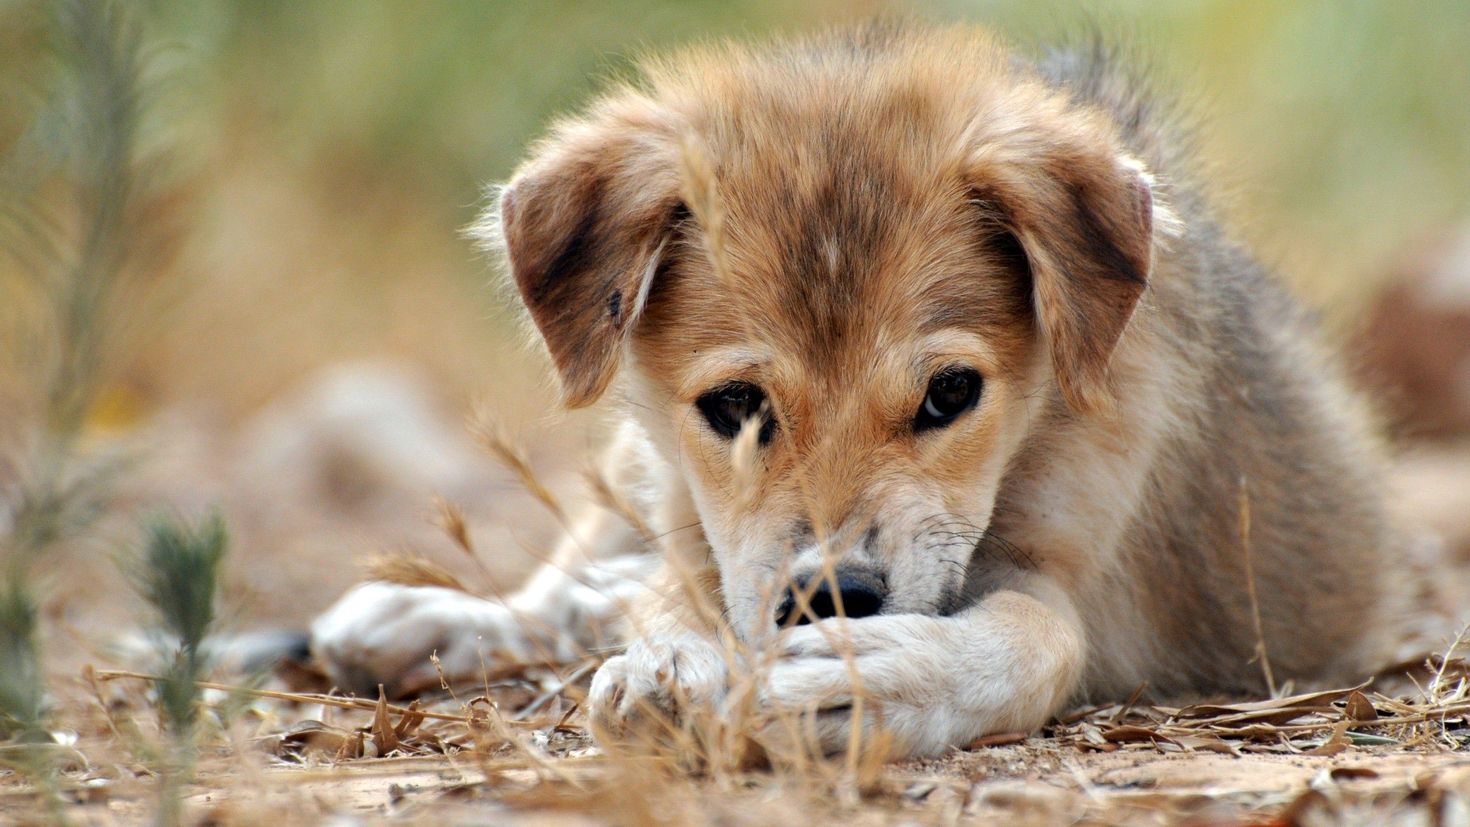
x=583, y=225
x=1083, y=214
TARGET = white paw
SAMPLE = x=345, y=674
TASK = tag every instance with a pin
x=884, y=673
x=384, y=633
x=657, y=682
x=915, y=684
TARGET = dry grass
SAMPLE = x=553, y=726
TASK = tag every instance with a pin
x=515, y=754
x=515, y=748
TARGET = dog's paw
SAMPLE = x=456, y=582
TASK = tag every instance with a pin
x=915, y=685
x=383, y=633
x=655, y=685
x=901, y=680
x=876, y=673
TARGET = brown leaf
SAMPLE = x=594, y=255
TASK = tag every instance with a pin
x=1359, y=708
x=309, y=737
x=1312, y=701
x=352, y=747
x=409, y=723
x=1337, y=743
x=1206, y=743
x=1266, y=732
x=1128, y=734
x=998, y=739
x=1271, y=717
x=384, y=738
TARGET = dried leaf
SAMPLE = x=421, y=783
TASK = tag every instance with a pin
x=1335, y=744
x=312, y=737
x=385, y=739
x=409, y=722
x=1359, y=708
x=353, y=746
x=1206, y=743
x=1311, y=701
x=999, y=739
x=1130, y=734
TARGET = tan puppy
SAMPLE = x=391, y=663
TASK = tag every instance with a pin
x=955, y=328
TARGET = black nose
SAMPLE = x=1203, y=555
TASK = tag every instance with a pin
x=860, y=593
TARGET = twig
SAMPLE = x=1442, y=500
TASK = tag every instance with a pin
x=545, y=697
x=1250, y=586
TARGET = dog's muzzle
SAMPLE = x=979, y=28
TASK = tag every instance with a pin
x=859, y=593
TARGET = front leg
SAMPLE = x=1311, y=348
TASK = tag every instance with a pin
x=1006, y=664
x=675, y=671
x=383, y=633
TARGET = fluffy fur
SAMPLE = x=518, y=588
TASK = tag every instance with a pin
x=836, y=219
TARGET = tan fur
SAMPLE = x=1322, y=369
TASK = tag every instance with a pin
x=835, y=220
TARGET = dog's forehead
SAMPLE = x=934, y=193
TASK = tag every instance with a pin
x=848, y=217
x=819, y=303
x=852, y=253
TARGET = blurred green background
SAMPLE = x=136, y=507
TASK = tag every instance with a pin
x=330, y=150
x=304, y=169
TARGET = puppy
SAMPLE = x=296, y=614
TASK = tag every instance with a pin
x=904, y=327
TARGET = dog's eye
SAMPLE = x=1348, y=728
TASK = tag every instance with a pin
x=727, y=408
x=952, y=391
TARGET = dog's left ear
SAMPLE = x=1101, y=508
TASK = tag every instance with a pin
x=583, y=224
x=1083, y=213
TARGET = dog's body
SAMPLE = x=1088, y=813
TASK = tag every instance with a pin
x=945, y=337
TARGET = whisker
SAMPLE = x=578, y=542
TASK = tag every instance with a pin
x=673, y=530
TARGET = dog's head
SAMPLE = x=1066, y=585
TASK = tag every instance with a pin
x=842, y=281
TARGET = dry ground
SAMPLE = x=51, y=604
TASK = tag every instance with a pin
x=1347, y=756
x=515, y=750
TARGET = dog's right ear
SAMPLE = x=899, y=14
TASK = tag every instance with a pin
x=1084, y=214
x=583, y=224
